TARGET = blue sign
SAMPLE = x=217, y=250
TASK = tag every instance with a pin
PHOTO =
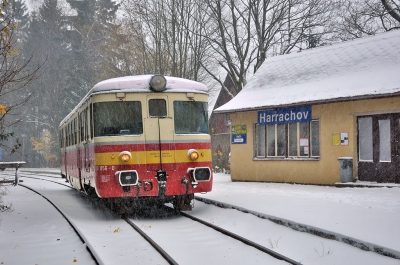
x=283, y=116
x=239, y=138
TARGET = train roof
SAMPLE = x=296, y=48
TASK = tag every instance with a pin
x=140, y=83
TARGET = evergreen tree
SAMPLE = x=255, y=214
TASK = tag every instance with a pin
x=53, y=96
x=92, y=27
x=20, y=19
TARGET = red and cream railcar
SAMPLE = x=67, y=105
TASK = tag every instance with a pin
x=139, y=139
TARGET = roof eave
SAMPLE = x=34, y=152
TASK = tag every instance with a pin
x=312, y=102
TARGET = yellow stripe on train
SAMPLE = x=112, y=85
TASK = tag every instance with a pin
x=151, y=157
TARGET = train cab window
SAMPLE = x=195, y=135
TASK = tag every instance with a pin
x=190, y=117
x=157, y=108
x=117, y=118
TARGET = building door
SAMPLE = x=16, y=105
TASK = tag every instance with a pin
x=379, y=148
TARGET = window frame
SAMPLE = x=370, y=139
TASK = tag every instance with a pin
x=205, y=122
x=98, y=125
x=287, y=154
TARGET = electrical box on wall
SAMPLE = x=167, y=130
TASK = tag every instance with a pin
x=340, y=138
x=344, y=139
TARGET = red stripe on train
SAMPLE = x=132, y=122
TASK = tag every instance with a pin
x=150, y=147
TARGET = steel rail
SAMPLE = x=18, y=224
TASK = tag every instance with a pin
x=242, y=239
x=65, y=217
x=162, y=252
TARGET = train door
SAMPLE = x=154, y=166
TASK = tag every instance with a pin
x=83, y=146
x=379, y=148
x=159, y=133
x=85, y=139
x=64, y=149
x=78, y=144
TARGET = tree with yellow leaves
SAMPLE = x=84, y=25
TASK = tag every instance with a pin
x=45, y=146
x=15, y=75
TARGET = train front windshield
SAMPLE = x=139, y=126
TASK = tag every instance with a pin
x=117, y=118
x=190, y=117
x=125, y=118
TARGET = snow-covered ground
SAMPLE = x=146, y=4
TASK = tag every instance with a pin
x=369, y=216
x=34, y=233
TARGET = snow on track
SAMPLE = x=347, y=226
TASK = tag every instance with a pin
x=111, y=240
x=36, y=233
x=189, y=242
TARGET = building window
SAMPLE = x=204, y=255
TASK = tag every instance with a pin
x=292, y=140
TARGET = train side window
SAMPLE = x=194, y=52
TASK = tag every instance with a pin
x=157, y=108
x=82, y=125
x=75, y=131
x=67, y=134
x=70, y=133
x=86, y=125
x=91, y=130
x=61, y=135
x=117, y=118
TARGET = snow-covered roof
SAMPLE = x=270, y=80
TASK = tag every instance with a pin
x=141, y=82
x=362, y=68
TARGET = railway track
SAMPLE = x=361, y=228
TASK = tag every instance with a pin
x=96, y=240
x=257, y=249
x=230, y=235
x=65, y=217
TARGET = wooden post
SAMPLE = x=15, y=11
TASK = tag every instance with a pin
x=16, y=165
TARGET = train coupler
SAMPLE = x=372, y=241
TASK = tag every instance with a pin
x=161, y=177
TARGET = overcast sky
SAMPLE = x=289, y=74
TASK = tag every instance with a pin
x=35, y=4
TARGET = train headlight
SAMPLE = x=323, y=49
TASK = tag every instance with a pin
x=128, y=177
x=193, y=154
x=201, y=174
x=125, y=156
x=158, y=83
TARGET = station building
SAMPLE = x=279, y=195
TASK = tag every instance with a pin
x=316, y=115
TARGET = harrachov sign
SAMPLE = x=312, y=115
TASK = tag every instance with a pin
x=283, y=116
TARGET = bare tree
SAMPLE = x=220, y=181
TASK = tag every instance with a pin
x=393, y=8
x=359, y=18
x=230, y=40
x=163, y=38
x=244, y=33
x=15, y=75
